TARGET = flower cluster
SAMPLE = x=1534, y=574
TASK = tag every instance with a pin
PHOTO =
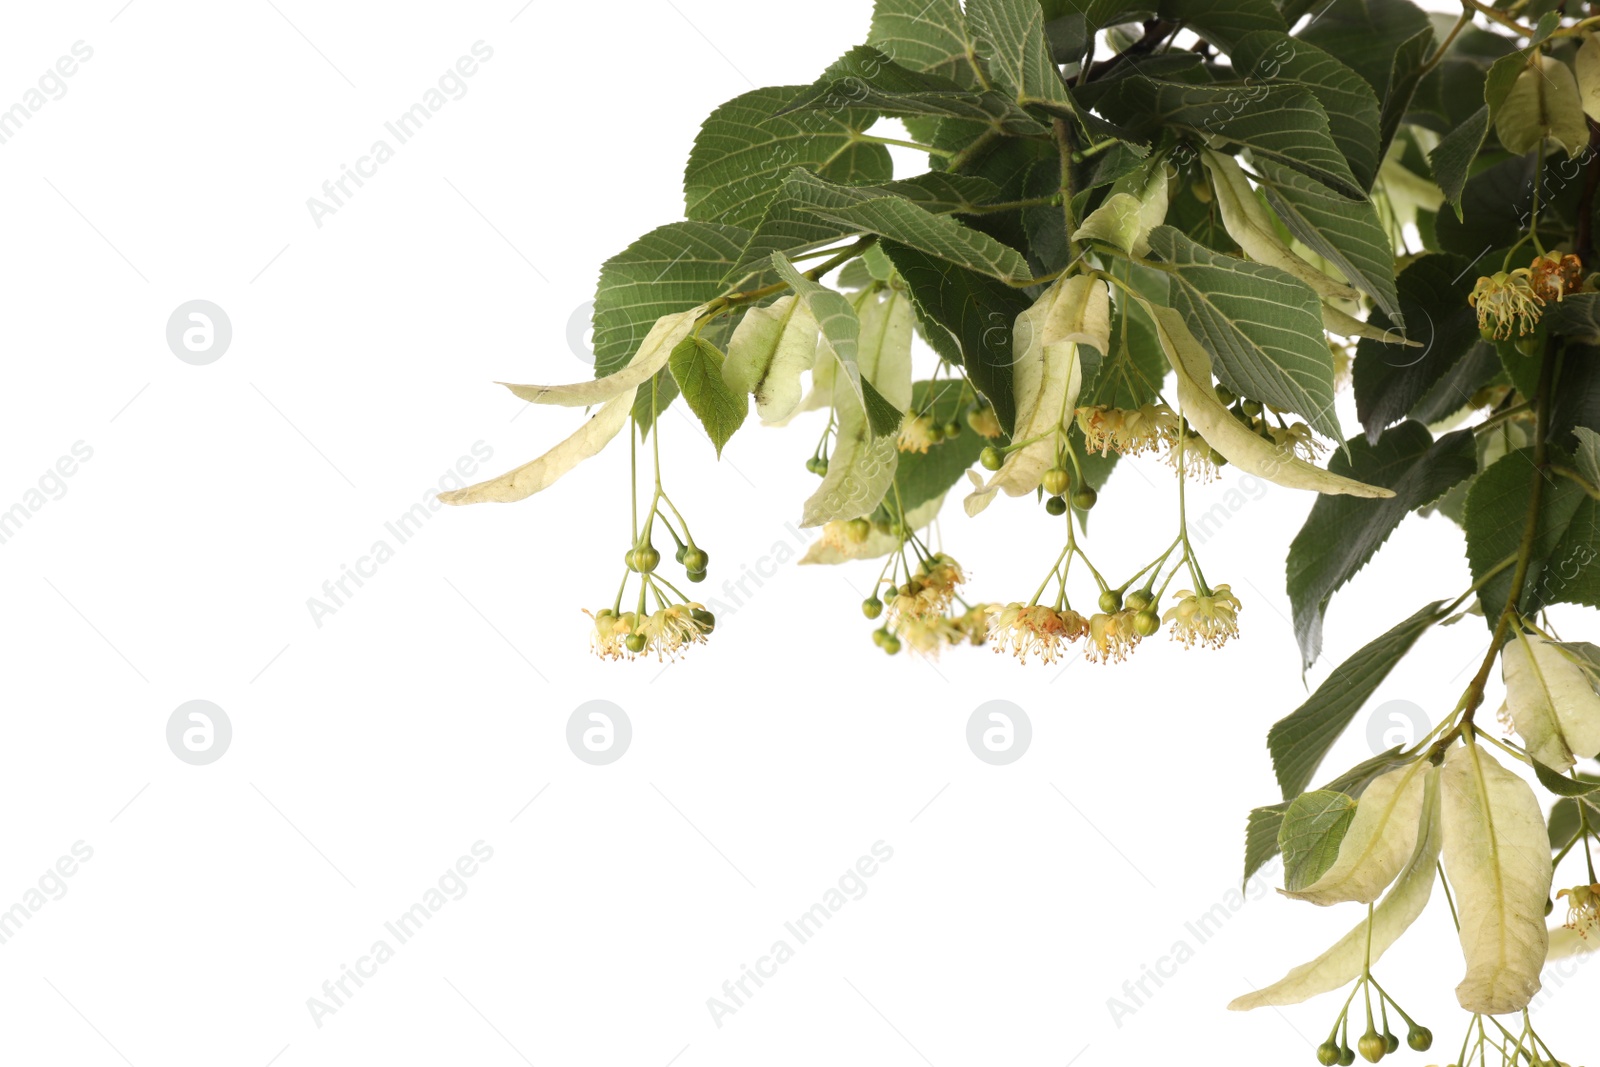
x=665, y=632
x=1128, y=431
x=1204, y=618
x=1032, y=629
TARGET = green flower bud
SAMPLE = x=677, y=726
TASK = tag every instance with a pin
x=635, y=642
x=696, y=576
x=857, y=530
x=1373, y=1047
x=1420, y=1039
x=1056, y=481
x=872, y=607
x=1140, y=599
x=707, y=621
x=879, y=636
x=935, y=433
x=951, y=429
x=645, y=558
x=1391, y=1043
x=1327, y=1054
x=683, y=550
x=1054, y=505
x=1084, y=498
x=817, y=465
x=1347, y=1056
x=696, y=559
x=1110, y=601
x=1224, y=394
x=1146, y=622
x=891, y=644
x=991, y=458
x=1252, y=408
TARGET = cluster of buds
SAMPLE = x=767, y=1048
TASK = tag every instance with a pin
x=918, y=610
x=665, y=632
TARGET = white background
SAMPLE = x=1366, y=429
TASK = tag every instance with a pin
x=371, y=752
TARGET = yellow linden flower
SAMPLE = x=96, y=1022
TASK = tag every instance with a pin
x=1506, y=303
x=1583, y=908
x=915, y=433
x=1111, y=637
x=672, y=629
x=1296, y=439
x=984, y=421
x=1197, y=461
x=1033, y=629
x=929, y=592
x=1127, y=431
x=1209, y=620
x=610, y=631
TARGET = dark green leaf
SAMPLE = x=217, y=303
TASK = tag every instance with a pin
x=1561, y=785
x=1347, y=233
x=921, y=476
x=1452, y=157
x=1011, y=38
x=866, y=78
x=1571, y=575
x=1313, y=826
x=978, y=311
x=1496, y=517
x=744, y=151
x=670, y=269
x=1496, y=206
x=1299, y=741
x=1577, y=316
x=1261, y=837
x=926, y=35
x=1564, y=822
x=1365, y=35
x=1405, y=73
x=1342, y=533
x=1262, y=325
x=883, y=418
x=1351, y=104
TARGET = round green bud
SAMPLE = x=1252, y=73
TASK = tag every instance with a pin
x=891, y=644
x=645, y=558
x=1056, y=481
x=857, y=530
x=991, y=458
x=1146, y=623
x=683, y=550
x=935, y=432
x=817, y=465
x=1420, y=1039
x=1327, y=1054
x=1391, y=1042
x=951, y=429
x=1218, y=459
x=1347, y=1056
x=879, y=636
x=1140, y=599
x=696, y=559
x=629, y=558
x=1084, y=498
x=910, y=589
x=1252, y=408
x=1110, y=601
x=1224, y=394
x=872, y=607
x=635, y=642
x=1549, y=906
x=1373, y=1047
x=1054, y=505
x=897, y=530
x=696, y=576
x=706, y=620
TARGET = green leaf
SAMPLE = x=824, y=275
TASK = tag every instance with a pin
x=1350, y=102
x=1405, y=74
x=1261, y=837
x=926, y=35
x=1564, y=821
x=744, y=151
x=1262, y=325
x=1342, y=533
x=1309, y=838
x=841, y=329
x=1453, y=156
x=1576, y=315
x=1345, y=232
x=1391, y=379
x=670, y=269
x=1284, y=123
x=903, y=221
x=1365, y=35
x=866, y=78
x=1301, y=740
x=977, y=310
x=1496, y=517
x=1561, y=785
x=1543, y=103
x=882, y=417
x=1588, y=456
x=1571, y=575
x=1496, y=206
x=696, y=366
x=1011, y=34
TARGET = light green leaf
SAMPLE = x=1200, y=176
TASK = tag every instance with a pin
x=1299, y=741
x=899, y=219
x=1237, y=443
x=696, y=366
x=1544, y=102
x=834, y=315
x=530, y=478
x=1588, y=453
x=1261, y=325
x=744, y=150
x=1552, y=701
x=1497, y=861
x=1380, y=839
x=671, y=268
x=768, y=352
x=927, y=35
x=1392, y=916
x=1137, y=204
x=651, y=357
x=1012, y=36
x=1345, y=232
x=1586, y=66
x=1309, y=838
